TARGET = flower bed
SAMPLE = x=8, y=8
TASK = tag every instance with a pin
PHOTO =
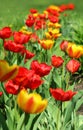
x=39, y=64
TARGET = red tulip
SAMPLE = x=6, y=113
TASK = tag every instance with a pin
x=33, y=11
x=33, y=81
x=21, y=38
x=11, y=88
x=52, y=11
x=64, y=45
x=28, y=54
x=61, y=95
x=70, y=6
x=57, y=61
x=73, y=66
x=5, y=32
x=1, y=93
x=29, y=22
x=39, y=24
x=41, y=69
x=53, y=19
x=27, y=79
x=12, y=46
x=63, y=7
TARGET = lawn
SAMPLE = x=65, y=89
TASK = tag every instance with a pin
x=12, y=10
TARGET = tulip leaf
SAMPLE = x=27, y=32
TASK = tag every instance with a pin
x=81, y=127
x=21, y=121
x=10, y=122
x=35, y=126
x=3, y=122
x=68, y=112
x=79, y=103
x=57, y=78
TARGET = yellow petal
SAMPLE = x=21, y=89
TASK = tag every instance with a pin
x=31, y=103
x=7, y=72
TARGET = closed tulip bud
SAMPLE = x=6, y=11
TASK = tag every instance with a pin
x=31, y=103
x=5, y=32
x=57, y=61
x=73, y=66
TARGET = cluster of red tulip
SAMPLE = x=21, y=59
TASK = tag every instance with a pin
x=20, y=79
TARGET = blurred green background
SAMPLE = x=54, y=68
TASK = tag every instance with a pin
x=10, y=10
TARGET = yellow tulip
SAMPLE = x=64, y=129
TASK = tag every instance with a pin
x=31, y=103
x=54, y=7
x=7, y=72
x=55, y=25
x=74, y=51
x=46, y=43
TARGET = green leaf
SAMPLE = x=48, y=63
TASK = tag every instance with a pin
x=57, y=78
x=35, y=126
x=20, y=122
x=3, y=122
x=68, y=112
x=79, y=103
x=10, y=122
x=81, y=127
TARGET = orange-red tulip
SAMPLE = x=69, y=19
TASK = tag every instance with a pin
x=74, y=51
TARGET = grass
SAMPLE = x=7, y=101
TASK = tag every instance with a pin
x=11, y=11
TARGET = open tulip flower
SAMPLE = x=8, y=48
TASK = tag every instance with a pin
x=7, y=72
x=74, y=51
x=46, y=44
x=31, y=102
x=42, y=69
x=61, y=95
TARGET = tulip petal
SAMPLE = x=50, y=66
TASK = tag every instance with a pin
x=31, y=103
x=7, y=72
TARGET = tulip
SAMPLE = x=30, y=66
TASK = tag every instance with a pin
x=12, y=46
x=42, y=69
x=1, y=93
x=74, y=51
x=54, y=7
x=73, y=66
x=61, y=95
x=39, y=24
x=11, y=88
x=53, y=19
x=21, y=38
x=31, y=103
x=56, y=61
x=5, y=32
x=33, y=11
x=28, y=54
x=7, y=72
x=29, y=22
x=70, y=6
x=55, y=25
x=27, y=79
x=46, y=44
x=64, y=45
